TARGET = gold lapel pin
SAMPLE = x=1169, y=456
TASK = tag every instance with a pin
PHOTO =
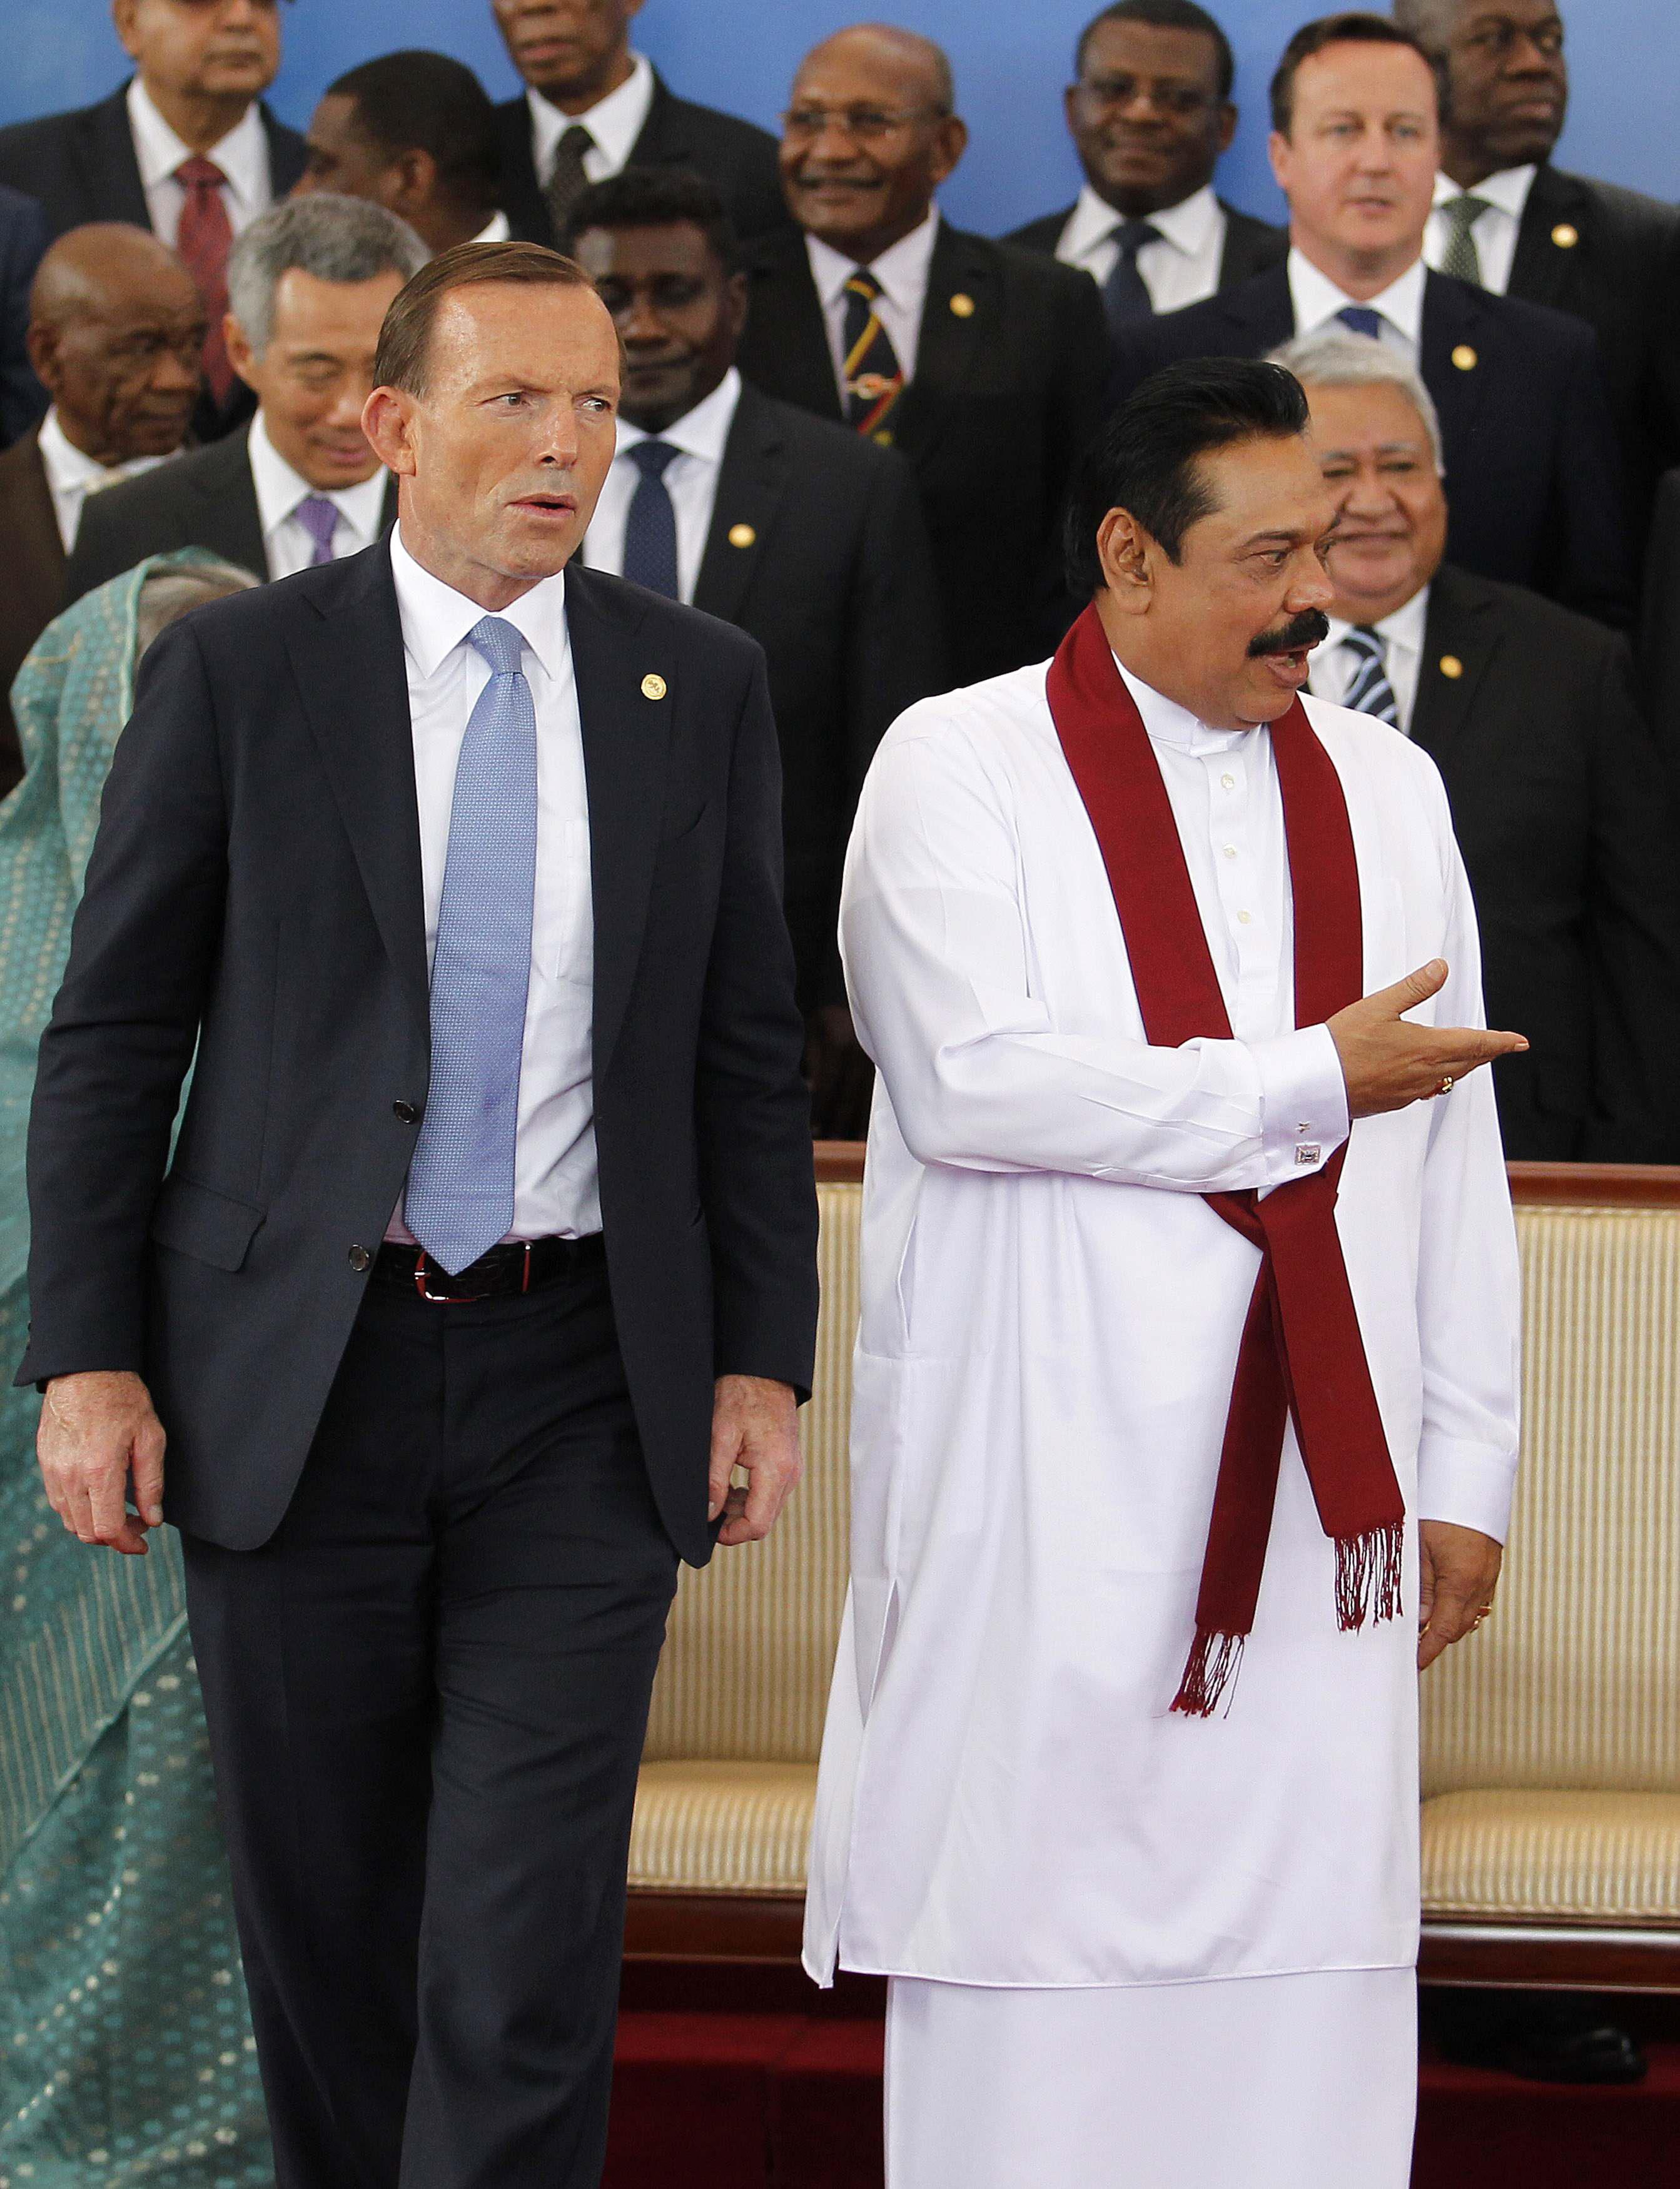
x=653, y=687
x=742, y=535
x=884, y=436
x=1465, y=357
x=1451, y=666
x=1565, y=236
x=962, y=304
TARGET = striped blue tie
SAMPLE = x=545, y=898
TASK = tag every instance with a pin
x=459, y=1197
x=1369, y=692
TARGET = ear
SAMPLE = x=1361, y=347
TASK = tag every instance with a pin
x=241, y=355
x=735, y=289
x=123, y=16
x=41, y=343
x=1228, y=118
x=388, y=420
x=1126, y=552
x=416, y=176
x=951, y=141
x=1279, y=152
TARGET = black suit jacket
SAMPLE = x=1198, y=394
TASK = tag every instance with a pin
x=738, y=157
x=1569, y=836
x=1006, y=391
x=205, y=498
x=1660, y=624
x=1532, y=467
x=22, y=238
x=32, y=556
x=1251, y=246
x=255, y=889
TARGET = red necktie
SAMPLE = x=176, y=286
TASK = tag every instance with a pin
x=202, y=243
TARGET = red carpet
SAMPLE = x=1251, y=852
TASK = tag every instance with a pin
x=756, y=2101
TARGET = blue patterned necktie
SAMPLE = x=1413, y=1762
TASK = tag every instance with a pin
x=1125, y=294
x=1360, y=320
x=1368, y=690
x=650, y=528
x=459, y=1197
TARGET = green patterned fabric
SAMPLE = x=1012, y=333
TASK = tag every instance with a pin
x=126, y=2054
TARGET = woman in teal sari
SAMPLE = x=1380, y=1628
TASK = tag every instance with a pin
x=126, y=2054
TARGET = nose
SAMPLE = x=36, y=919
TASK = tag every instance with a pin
x=1310, y=586
x=638, y=322
x=349, y=399
x=1364, y=494
x=176, y=373
x=557, y=441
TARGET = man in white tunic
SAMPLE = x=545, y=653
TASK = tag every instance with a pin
x=1183, y=1405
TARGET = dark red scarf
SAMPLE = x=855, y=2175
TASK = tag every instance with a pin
x=1302, y=1353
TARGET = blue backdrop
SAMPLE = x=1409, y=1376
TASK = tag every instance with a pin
x=1011, y=56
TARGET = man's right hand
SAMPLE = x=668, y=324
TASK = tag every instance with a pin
x=96, y=1431
x=1390, y=1063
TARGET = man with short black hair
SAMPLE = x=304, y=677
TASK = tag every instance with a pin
x=1150, y=113
x=1170, y=1467
x=1533, y=470
x=416, y=132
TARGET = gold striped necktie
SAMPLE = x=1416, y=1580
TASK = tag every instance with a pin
x=874, y=379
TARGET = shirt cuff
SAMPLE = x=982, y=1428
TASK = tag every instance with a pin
x=1469, y=1485
x=1304, y=1102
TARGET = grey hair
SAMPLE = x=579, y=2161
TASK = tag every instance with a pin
x=335, y=239
x=1351, y=360
x=165, y=594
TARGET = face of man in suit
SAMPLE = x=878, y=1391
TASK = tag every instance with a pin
x=1509, y=80
x=574, y=52
x=315, y=372
x=1358, y=164
x=222, y=54
x=678, y=310
x=116, y=335
x=869, y=137
x=1225, y=626
x=503, y=448
x=1147, y=116
x=1378, y=462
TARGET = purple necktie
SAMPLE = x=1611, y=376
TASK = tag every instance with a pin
x=319, y=518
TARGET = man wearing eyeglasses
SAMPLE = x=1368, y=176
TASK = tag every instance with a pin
x=983, y=363
x=1507, y=218
x=186, y=147
x=1150, y=115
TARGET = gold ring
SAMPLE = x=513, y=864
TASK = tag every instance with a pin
x=1486, y=1612
x=1446, y=1085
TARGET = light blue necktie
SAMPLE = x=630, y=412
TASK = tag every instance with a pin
x=1369, y=692
x=459, y=1197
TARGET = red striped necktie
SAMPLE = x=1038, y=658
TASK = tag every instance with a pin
x=203, y=242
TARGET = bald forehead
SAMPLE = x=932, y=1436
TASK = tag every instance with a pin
x=112, y=270
x=891, y=63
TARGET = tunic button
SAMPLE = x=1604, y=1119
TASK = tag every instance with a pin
x=1230, y=850
x=404, y=1112
x=1228, y=782
x=1244, y=918
x=360, y=1259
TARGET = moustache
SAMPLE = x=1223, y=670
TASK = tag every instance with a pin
x=1311, y=628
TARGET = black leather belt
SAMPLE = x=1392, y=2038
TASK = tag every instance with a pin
x=516, y=1266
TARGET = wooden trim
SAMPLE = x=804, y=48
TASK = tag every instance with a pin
x=718, y=1927
x=1549, y=1957
x=839, y=1163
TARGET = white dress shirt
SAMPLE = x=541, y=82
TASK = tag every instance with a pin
x=614, y=122
x=902, y=271
x=72, y=475
x=242, y=156
x=1318, y=302
x=555, y=1188
x=288, y=545
x=1495, y=234
x=1182, y=268
x=1335, y=665
x=691, y=481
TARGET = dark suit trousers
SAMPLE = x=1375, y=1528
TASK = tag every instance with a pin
x=427, y=1696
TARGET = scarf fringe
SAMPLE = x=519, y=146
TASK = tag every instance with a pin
x=1368, y=1570
x=1215, y=1661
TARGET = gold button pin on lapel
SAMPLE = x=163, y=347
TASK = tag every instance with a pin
x=1451, y=666
x=1465, y=357
x=742, y=535
x=963, y=305
x=1565, y=236
x=653, y=687
x=884, y=436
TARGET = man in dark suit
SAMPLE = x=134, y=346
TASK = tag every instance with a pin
x=186, y=147
x=1559, y=799
x=310, y=286
x=23, y=239
x=1149, y=114
x=981, y=363
x=1660, y=625
x=115, y=333
x=1532, y=461
x=1507, y=218
x=432, y=1492
x=417, y=133
x=593, y=106
x=808, y=537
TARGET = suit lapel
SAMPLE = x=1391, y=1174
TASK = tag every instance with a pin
x=345, y=644
x=1542, y=267
x=1459, y=632
x=961, y=310
x=1456, y=331
x=786, y=330
x=114, y=178
x=285, y=155
x=234, y=525
x=750, y=480
x=626, y=742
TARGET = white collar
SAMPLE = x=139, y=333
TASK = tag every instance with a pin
x=436, y=618
x=701, y=432
x=902, y=269
x=279, y=489
x=1187, y=226
x=242, y=155
x=614, y=122
x=1168, y=723
x=1317, y=299
x=494, y=231
x=1404, y=627
x=1509, y=190
x=68, y=466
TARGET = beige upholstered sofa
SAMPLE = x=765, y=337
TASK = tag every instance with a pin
x=1551, y=1740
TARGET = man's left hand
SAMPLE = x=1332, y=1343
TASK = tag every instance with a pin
x=754, y=1426
x=1460, y=1571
